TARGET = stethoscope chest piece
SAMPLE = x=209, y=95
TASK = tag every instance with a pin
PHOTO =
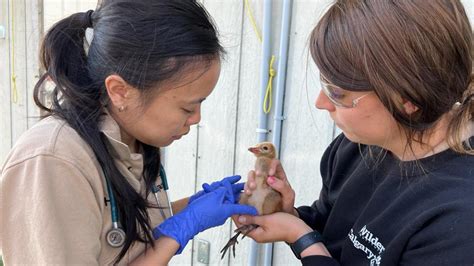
x=115, y=237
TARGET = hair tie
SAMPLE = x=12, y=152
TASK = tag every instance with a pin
x=88, y=18
x=89, y=32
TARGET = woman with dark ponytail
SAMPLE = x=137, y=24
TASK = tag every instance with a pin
x=92, y=166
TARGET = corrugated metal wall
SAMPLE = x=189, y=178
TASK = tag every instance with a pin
x=217, y=147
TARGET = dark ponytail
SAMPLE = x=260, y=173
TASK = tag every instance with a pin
x=145, y=42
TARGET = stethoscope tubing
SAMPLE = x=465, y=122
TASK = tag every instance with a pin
x=115, y=215
x=164, y=181
x=113, y=205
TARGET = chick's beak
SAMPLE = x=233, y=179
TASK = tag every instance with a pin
x=254, y=150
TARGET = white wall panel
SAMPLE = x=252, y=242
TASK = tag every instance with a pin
x=248, y=107
x=180, y=164
x=217, y=132
x=34, y=30
x=18, y=64
x=306, y=130
x=18, y=52
x=5, y=77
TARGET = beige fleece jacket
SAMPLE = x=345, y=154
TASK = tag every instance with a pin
x=52, y=208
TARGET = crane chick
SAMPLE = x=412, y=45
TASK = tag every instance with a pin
x=264, y=198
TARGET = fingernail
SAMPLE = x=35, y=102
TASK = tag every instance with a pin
x=242, y=219
x=271, y=179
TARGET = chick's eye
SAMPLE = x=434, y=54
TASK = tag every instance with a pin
x=265, y=148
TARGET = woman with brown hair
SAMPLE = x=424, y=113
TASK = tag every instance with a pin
x=398, y=184
x=85, y=185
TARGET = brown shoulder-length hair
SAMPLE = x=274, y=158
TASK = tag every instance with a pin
x=416, y=50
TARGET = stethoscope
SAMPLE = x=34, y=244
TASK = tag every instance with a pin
x=116, y=236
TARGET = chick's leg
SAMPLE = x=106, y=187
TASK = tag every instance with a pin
x=231, y=243
x=244, y=230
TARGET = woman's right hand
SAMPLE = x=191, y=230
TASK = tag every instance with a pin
x=278, y=181
x=229, y=182
x=281, y=226
x=210, y=210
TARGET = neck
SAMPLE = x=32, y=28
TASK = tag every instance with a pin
x=126, y=138
x=433, y=142
x=131, y=142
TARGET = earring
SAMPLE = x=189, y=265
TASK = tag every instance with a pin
x=122, y=108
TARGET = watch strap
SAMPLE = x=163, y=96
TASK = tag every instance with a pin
x=304, y=242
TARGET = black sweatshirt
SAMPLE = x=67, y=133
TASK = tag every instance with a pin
x=377, y=210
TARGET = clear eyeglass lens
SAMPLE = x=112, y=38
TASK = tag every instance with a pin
x=337, y=96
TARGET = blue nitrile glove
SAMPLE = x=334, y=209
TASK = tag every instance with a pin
x=210, y=210
x=225, y=182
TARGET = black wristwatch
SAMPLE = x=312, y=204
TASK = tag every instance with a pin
x=305, y=241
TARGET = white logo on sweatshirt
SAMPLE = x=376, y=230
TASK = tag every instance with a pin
x=371, y=245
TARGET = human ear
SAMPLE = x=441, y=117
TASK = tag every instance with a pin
x=409, y=107
x=118, y=90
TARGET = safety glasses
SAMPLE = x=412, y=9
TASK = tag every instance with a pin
x=338, y=96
